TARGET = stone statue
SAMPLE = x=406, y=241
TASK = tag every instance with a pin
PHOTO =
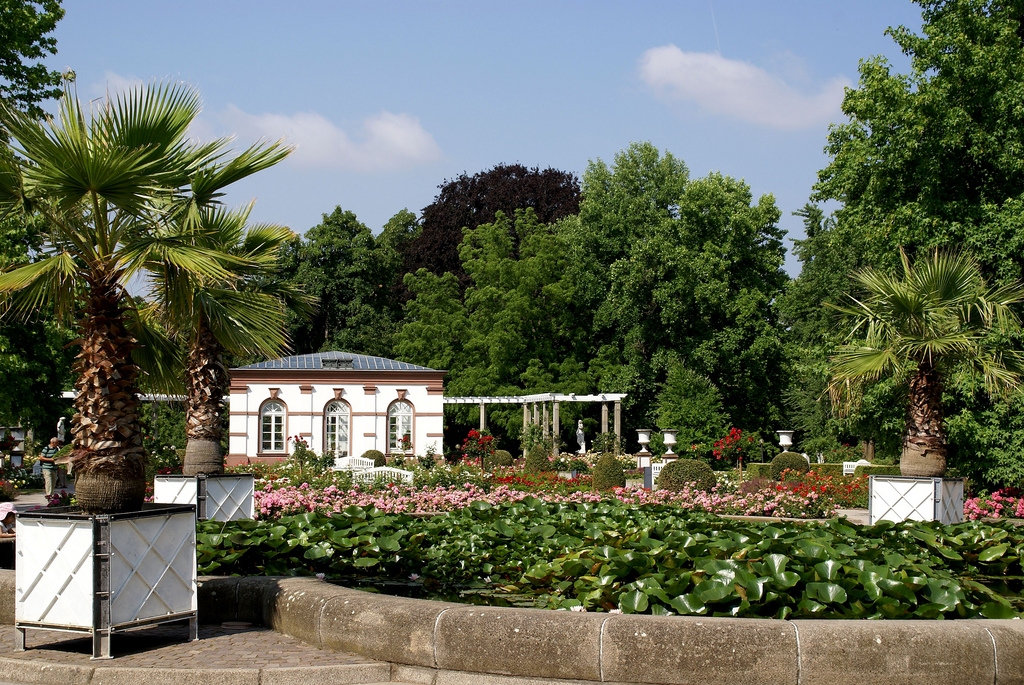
x=60, y=430
x=579, y=437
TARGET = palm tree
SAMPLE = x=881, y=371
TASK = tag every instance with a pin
x=107, y=184
x=243, y=315
x=939, y=317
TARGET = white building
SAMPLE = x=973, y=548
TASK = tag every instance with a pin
x=335, y=401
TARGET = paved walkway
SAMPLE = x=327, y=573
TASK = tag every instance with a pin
x=162, y=654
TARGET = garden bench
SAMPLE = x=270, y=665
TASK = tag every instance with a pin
x=388, y=473
x=655, y=472
x=352, y=464
x=849, y=467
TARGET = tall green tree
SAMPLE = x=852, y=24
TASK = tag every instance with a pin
x=353, y=275
x=931, y=158
x=108, y=182
x=469, y=201
x=681, y=272
x=25, y=26
x=935, y=319
x=934, y=157
x=511, y=331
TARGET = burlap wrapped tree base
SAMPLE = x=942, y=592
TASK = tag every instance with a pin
x=110, y=488
x=202, y=457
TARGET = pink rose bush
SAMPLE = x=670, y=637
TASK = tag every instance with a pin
x=273, y=502
x=1000, y=504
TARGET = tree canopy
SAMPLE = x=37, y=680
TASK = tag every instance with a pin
x=25, y=26
x=469, y=201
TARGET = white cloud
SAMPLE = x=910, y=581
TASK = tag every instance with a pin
x=386, y=142
x=738, y=89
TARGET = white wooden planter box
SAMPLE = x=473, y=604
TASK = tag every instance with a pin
x=903, y=498
x=218, y=497
x=102, y=574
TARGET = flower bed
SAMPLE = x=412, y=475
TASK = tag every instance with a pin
x=1007, y=503
x=273, y=501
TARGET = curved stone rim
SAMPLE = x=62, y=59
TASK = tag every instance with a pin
x=505, y=644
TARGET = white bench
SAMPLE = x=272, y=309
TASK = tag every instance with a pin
x=656, y=468
x=352, y=464
x=386, y=473
x=849, y=467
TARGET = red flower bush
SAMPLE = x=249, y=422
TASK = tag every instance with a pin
x=477, y=447
x=734, y=447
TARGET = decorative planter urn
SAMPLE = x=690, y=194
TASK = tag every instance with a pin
x=101, y=574
x=669, y=436
x=643, y=457
x=906, y=498
x=785, y=439
x=217, y=497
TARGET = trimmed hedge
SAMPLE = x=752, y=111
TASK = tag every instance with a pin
x=608, y=473
x=537, y=460
x=684, y=473
x=828, y=469
x=788, y=460
x=878, y=471
x=500, y=458
x=378, y=457
x=759, y=470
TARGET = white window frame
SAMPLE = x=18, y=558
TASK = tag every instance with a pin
x=273, y=418
x=400, y=418
x=337, y=412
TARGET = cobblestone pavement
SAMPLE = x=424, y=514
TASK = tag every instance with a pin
x=167, y=647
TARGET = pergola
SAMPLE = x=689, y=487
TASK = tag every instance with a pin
x=535, y=409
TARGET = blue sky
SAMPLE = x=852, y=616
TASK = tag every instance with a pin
x=386, y=100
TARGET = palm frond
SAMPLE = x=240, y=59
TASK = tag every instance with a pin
x=29, y=288
x=157, y=355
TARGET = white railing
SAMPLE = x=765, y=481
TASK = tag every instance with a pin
x=385, y=473
x=352, y=463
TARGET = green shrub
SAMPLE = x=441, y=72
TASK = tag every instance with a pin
x=500, y=458
x=788, y=460
x=608, y=473
x=877, y=471
x=378, y=457
x=759, y=470
x=683, y=473
x=537, y=460
x=828, y=469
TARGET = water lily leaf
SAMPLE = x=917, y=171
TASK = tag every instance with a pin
x=633, y=602
x=712, y=591
x=827, y=570
x=997, y=610
x=830, y=593
x=993, y=553
x=688, y=604
x=365, y=562
x=315, y=552
x=786, y=579
x=545, y=531
x=775, y=563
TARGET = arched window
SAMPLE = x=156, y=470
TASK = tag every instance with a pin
x=336, y=429
x=272, y=416
x=400, y=427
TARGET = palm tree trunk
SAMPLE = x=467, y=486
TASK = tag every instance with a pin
x=924, y=446
x=108, y=457
x=207, y=381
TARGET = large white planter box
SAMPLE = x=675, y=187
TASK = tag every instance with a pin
x=903, y=498
x=218, y=497
x=101, y=574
